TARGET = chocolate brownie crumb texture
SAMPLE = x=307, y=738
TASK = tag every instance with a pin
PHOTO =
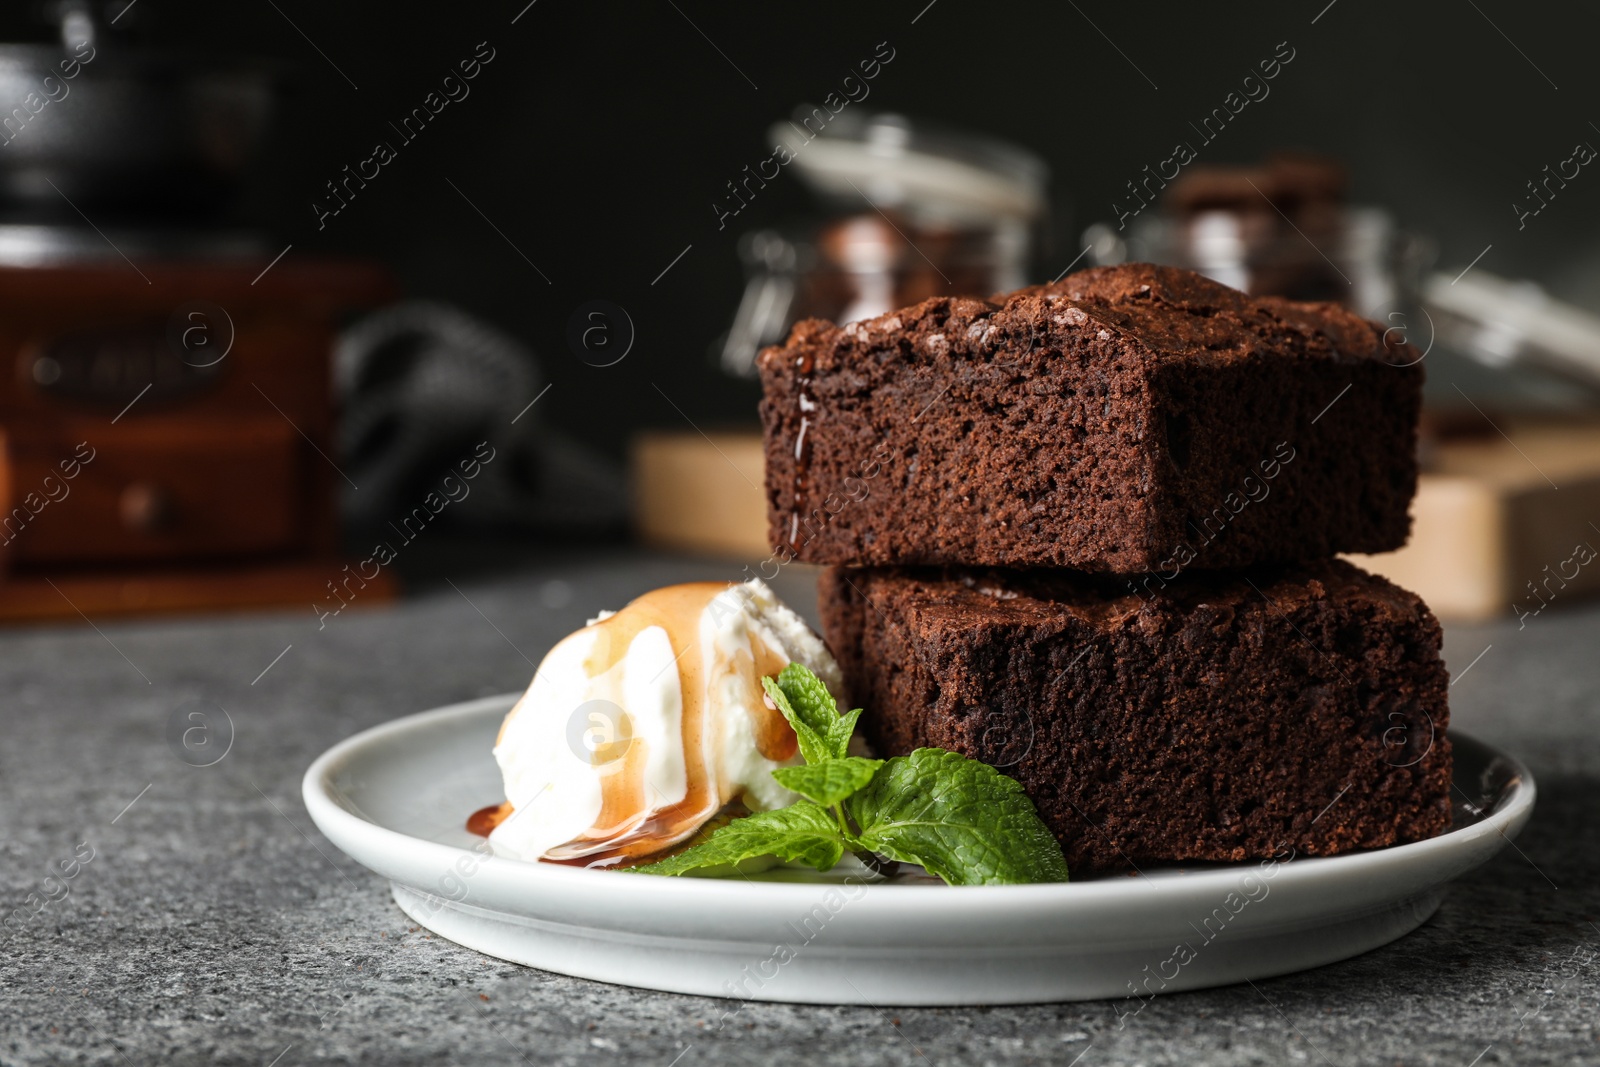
x=1224, y=718
x=1134, y=419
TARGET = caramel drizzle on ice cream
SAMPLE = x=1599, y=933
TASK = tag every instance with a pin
x=483, y=821
x=635, y=821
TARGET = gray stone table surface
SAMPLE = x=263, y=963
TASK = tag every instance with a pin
x=208, y=922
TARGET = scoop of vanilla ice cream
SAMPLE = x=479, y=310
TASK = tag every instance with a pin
x=643, y=725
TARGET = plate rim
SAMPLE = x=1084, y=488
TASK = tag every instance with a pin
x=326, y=811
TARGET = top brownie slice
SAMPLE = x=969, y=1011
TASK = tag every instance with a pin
x=1135, y=419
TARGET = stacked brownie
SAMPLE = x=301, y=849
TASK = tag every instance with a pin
x=1085, y=532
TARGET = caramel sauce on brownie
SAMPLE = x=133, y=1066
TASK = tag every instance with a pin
x=805, y=407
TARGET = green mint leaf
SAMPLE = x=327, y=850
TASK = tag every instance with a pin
x=814, y=746
x=839, y=738
x=961, y=819
x=831, y=780
x=810, y=708
x=800, y=833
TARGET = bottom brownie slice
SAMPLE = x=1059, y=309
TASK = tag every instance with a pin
x=1228, y=717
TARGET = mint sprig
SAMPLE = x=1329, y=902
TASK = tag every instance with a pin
x=823, y=733
x=830, y=781
x=958, y=818
x=961, y=819
x=801, y=833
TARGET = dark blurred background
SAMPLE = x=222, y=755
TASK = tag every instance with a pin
x=600, y=135
x=588, y=163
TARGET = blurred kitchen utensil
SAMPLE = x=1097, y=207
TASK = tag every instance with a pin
x=1502, y=322
x=1279, y=229
x=910, y=211
x=1283, y=229
x=105, y=124
x=422, y=385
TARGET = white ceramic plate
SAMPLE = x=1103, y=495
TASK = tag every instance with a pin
x=396, y=798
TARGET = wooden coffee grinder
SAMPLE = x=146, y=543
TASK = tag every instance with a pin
x=167, y=426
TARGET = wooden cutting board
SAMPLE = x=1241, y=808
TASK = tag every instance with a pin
x=701, y=493
x=1504, y=523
